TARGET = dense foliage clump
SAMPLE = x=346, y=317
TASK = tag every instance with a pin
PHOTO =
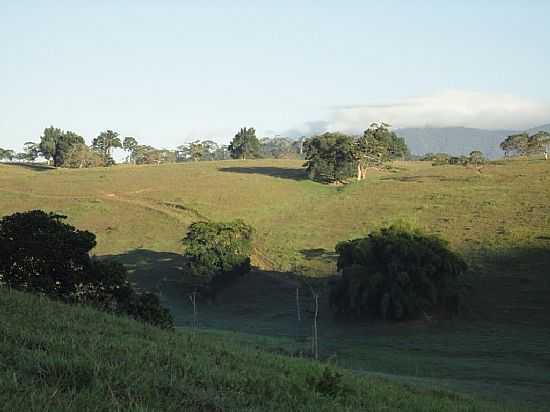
x=330, y=157
x=39, y=253
x=521, y=144
x=397, y=273
x=245, y=144
x=218, y=252
x=336, y=157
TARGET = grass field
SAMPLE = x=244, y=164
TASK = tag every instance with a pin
x=499, y=219
x=60, y=358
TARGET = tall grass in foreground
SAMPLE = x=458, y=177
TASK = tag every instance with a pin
x=56, y=357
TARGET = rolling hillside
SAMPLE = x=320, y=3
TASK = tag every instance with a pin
x=497, y=217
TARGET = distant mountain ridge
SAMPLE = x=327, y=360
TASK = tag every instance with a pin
x=459, y=140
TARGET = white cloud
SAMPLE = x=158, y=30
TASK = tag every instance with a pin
x=450, y=108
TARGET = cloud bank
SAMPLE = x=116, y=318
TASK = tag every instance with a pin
x=446, y=109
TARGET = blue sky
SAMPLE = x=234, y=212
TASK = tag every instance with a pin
x=168, y=72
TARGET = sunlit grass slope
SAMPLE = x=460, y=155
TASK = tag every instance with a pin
x=505, y=205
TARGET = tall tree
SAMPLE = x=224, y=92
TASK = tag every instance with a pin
x=55, y=144
x=378, y=145
x=538, y=143
x=31, y=151
x=244, y=144
x=130, y=144
x=104, y=144
x=6, y=154
x=516, y=144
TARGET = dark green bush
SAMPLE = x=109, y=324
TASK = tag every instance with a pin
x=218, y=253
x=330, y=157
x=40, y=253
x=397, y=273
x=146, y=307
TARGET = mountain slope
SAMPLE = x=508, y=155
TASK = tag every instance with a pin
x=459, y=140
x=541, y=128
x=454, y=140
x=55, y=357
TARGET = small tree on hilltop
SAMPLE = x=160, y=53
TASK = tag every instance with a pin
x=335, y=157
x=130, y=145
x=516, y=144
x=397, y=273
x=218, y=253
x=476, y=158
x=6, y=154
x=378, y=144
x=55, y=144
x=539, y=143
x=104, y=144
x=244, y=144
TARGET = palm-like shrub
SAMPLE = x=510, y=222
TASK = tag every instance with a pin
x=397, y=273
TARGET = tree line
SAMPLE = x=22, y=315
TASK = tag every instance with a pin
x=68, y=149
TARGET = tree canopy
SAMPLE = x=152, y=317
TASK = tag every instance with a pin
x=335, y=157
x=55, y=144
x=130, y=144
x=330, y=157
x=245, y=144
x=279, y=148
x=104, y=144
x=6, y=154
x=218, y=252
x=397, y=273
x=39, y=253
x=521, y=144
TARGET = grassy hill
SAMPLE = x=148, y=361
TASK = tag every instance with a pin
x=58, y=358
x=498, y=218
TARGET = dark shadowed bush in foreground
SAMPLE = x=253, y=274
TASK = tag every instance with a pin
x=218, y=252
x=397, y=273
x=39, y=253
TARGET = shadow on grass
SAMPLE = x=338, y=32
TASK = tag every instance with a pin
x=31, y=166
x=319, y=254
x=513, y=284
x=150, y=269
x=412, y=178
x=280, y=172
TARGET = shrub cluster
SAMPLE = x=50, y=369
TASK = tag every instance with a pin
x=397, y=273
x=217, y=253
x=40, y=253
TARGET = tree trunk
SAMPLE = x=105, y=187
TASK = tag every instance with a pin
x=298, y=311
x=361, y=172
x=315, y=334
